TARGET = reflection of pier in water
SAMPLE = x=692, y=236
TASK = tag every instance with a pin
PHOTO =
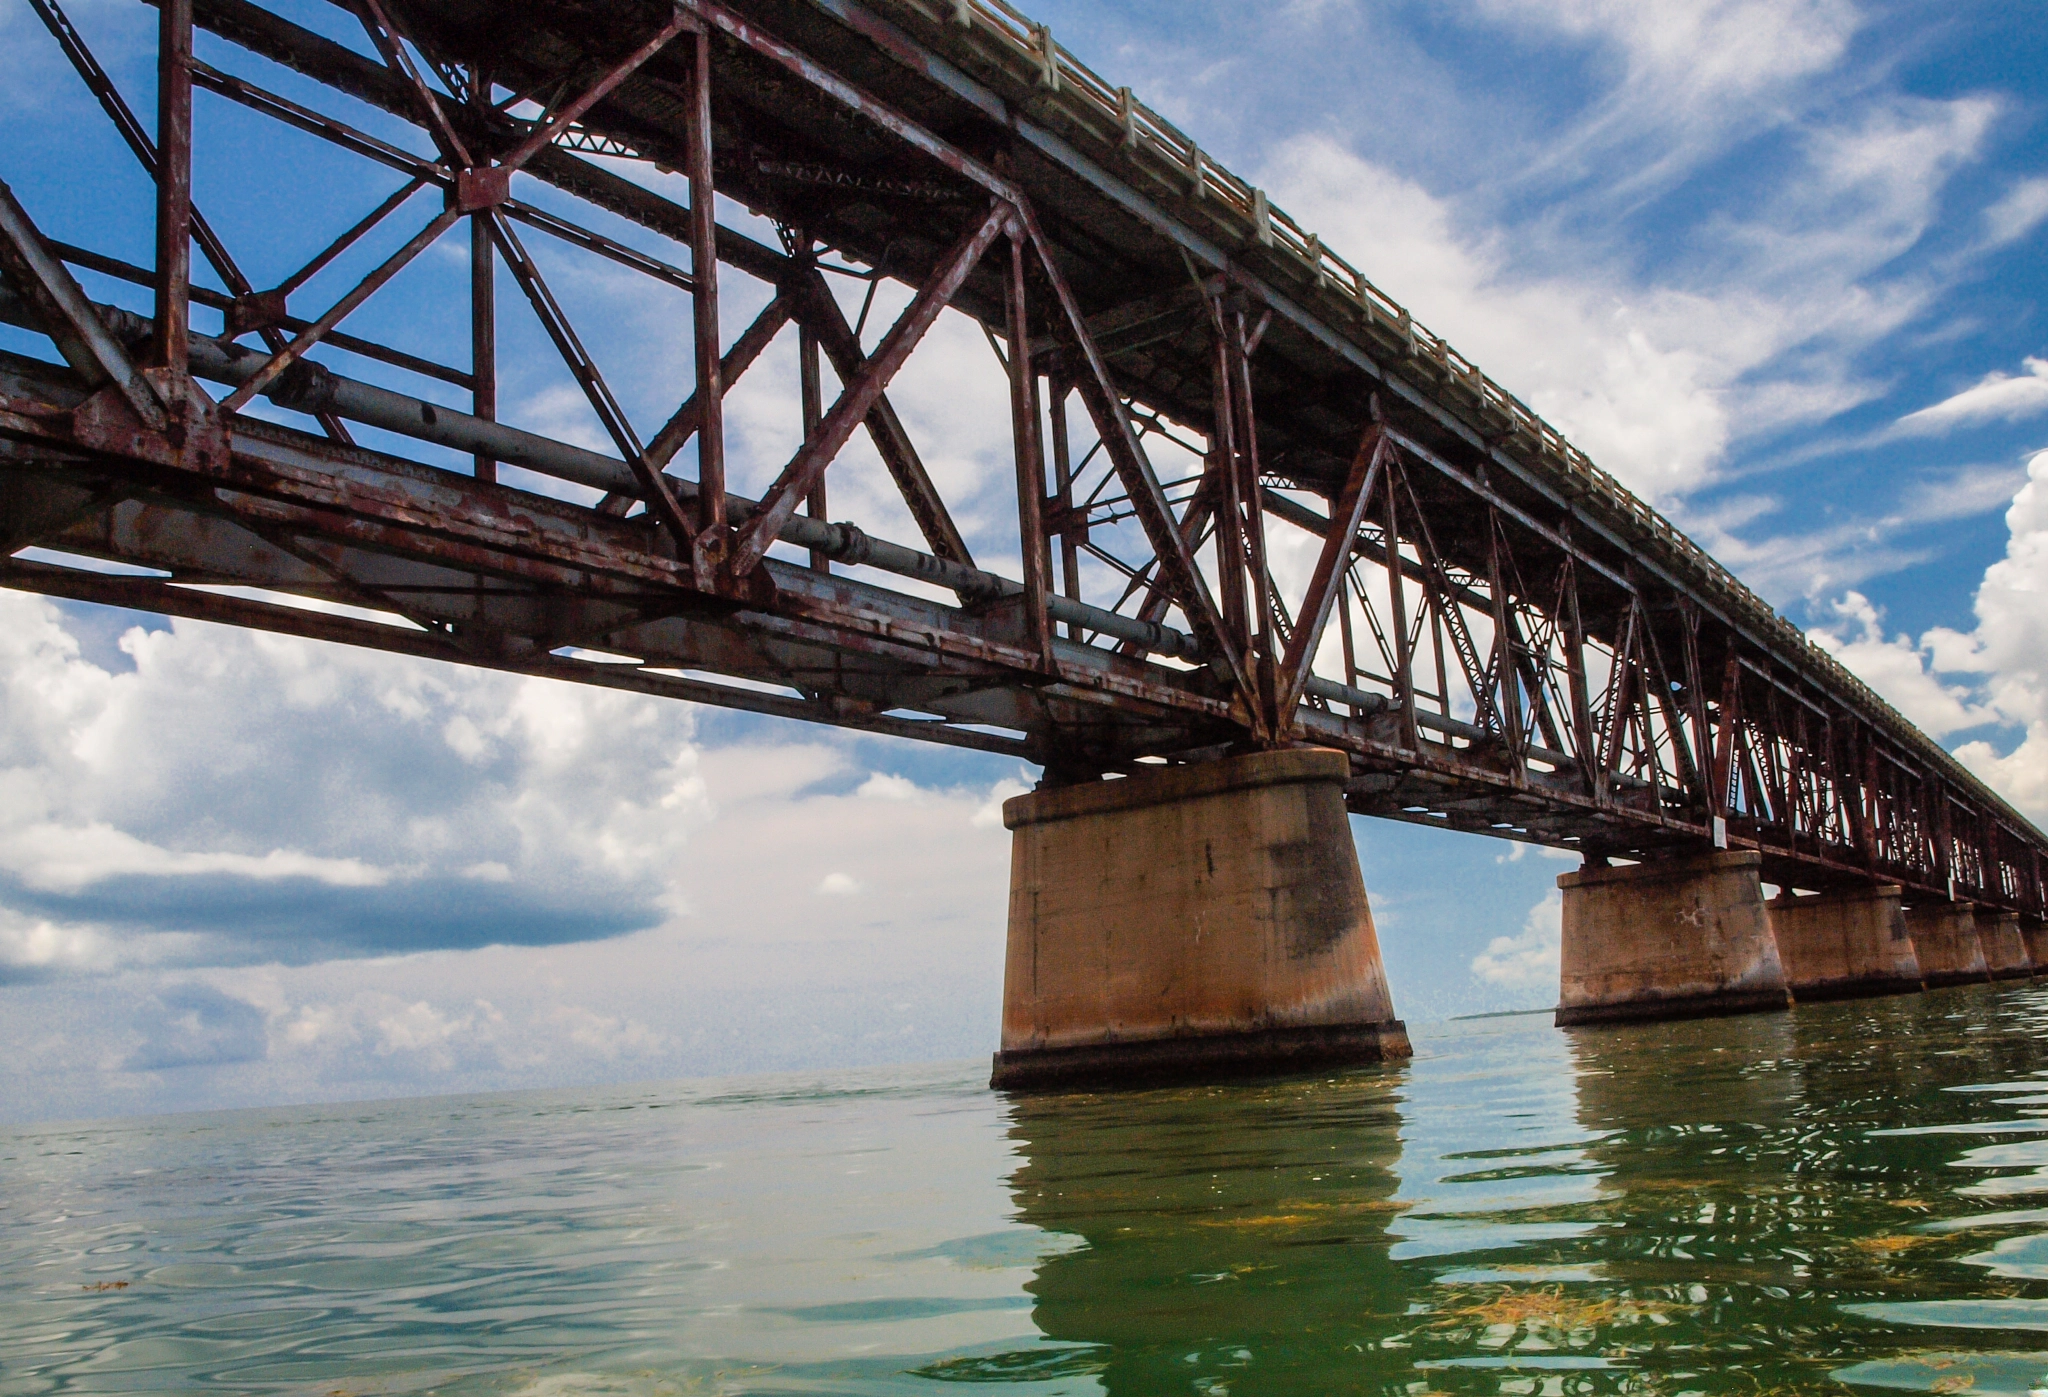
x=1236, y=1238
x=1705, y=1202
x=1753, y=1185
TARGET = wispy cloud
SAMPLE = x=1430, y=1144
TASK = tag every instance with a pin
x=1705, y=49
x=1747, y=532
x=1687, y=80
x=1997, y=397
x=2022, y=209
x=1659, y=373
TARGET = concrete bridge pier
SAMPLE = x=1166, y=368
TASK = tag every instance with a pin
x=2034, y=932
x=1671, y=939
x=1196, y=920
x=1845, y=944
x=1945, y=938
x=2005, y=950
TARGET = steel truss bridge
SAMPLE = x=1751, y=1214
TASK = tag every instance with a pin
x=1256, y=504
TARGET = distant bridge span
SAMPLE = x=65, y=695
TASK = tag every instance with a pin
x=1258, y=507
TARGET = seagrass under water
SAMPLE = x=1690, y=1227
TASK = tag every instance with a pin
x=1845, y=1198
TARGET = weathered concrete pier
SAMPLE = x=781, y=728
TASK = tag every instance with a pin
x=1679, y=938
x=1846, y=943
x=1191, y=921
x=2005, y=951
x=1945, y=939
x=1689, y=938
x=2034, y=932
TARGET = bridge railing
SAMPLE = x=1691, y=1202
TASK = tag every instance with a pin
x=1143, y=129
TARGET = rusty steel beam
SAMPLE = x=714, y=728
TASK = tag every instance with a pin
x=284, y=358
x=173, y=186
x=824, y=319
x=1528, y=652
x=1030, y=457
x=711, y=541
x=859, y=395
x=1335, y=556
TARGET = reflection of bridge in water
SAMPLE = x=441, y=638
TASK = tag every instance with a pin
x=1526, y=1212
x=1258, y=511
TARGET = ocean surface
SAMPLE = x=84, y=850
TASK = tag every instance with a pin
x=1845, y=1198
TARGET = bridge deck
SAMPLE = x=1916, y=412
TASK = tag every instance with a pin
x=1504, y=638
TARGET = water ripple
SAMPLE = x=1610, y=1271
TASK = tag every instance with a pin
x=1806, y=1202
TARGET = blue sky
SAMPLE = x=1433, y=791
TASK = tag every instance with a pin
x=1775, y=263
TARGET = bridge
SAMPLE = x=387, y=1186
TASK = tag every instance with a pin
x=1278, y=552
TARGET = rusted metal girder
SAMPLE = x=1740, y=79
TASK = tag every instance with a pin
x=1501, y=638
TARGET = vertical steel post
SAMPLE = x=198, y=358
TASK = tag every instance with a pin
x=1397, y=606
x=1797, y=743
x=1696, y=707
x=1584, y=747
x=1222, y=466
x=1264, y=649
x=812, y=391
x=172, y=346
x=1063, y=483
x=1344, y=626
x=1507, y=673
x=704, y=302
x=1440, y=648
x=1030, y=459
x=1725, y=739
x=483, y=331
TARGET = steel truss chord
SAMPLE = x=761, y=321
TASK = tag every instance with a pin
x=1368, y=556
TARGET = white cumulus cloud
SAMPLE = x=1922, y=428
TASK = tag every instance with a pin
x=1997, y=671
x=232, y=795
x=1898, y=669
x=1528, y=960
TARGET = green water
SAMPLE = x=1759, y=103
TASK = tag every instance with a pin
x=1846, y=1198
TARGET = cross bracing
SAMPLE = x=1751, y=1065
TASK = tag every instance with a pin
x=1256, y=504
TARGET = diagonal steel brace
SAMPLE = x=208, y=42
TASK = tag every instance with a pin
x=68, y=317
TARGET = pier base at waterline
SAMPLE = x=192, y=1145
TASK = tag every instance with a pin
x=2034, y=931
x=1945, y=938
x=1672, y=939
x=1197, y=921
x=2005, y=950
x=1845, y=943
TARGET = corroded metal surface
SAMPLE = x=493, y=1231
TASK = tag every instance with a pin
x=1500, y=636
